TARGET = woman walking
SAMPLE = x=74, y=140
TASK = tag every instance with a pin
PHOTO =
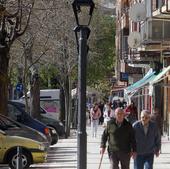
x=95, y=114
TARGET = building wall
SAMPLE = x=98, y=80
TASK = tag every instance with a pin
x=151, y=51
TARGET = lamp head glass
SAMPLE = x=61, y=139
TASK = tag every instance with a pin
x=83, y=10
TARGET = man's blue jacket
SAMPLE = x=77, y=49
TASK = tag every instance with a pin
x=147, y=143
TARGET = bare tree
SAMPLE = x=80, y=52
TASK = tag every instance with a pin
x=59, y=21
x=14, y=19
x=33, y=45
x=53, y=44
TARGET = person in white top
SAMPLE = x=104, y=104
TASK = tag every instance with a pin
x=107, y=114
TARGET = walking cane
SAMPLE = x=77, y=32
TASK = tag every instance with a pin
x=101, y=158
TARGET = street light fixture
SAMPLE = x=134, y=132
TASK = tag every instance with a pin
x=83, y=10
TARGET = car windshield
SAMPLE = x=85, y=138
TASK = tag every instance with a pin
x=22, y=106
x=6, y=123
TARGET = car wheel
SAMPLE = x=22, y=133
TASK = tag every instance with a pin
x=12, y=159
x=54, y=135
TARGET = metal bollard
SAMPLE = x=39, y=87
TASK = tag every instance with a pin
x=19, y=158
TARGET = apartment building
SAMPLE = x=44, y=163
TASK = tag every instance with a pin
x=143, y=53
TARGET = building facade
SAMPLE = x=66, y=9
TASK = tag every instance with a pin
x=143, y=53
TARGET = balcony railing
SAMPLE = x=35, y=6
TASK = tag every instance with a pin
x=155, y=31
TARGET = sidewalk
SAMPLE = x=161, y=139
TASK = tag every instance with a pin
x=93, y=151
x=93, y=155
x=163, y=161
x=63, y=155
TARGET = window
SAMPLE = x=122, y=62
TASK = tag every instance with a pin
x=13, y=112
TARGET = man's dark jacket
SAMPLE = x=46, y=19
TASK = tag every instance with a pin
x=120, y=138
x=150, y=142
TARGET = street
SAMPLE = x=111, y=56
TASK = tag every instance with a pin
x=63, y=62
x=63, y=155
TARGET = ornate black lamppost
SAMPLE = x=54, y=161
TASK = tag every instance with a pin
x=83, y=10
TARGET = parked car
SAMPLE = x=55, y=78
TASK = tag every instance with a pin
x=14, y=128
x=50, y=122
x=56, y=124
x=56, y=128
x=15, y=113
x=32, y=151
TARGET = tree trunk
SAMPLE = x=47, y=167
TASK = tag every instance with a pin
x=4, y=61
x=62, y=106
x=67, y=107
x=75, y=113
x=70, y=105
x=10, y=91
x=35, y=96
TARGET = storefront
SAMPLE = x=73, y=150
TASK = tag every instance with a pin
x=160, y=87
x=153, y=91
x=139, y=92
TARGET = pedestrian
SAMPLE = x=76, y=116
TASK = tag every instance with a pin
x=101, y=107
x=148, y=141
x=131, y=111
x=108, y=113
x=87, y=116
x=121, y=141
x=95, y=114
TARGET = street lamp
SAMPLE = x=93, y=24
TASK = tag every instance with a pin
x=83, y=10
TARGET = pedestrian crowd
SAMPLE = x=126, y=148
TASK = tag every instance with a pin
x=127, y=134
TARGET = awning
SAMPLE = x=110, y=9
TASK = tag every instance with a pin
x=162, y=75
x=148, y=80
x=131, y=90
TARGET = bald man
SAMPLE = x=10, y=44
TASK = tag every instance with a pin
x=148, y=141
x=121, y=141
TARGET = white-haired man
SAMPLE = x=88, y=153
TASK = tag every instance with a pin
x=148, y=141
x=121, y=140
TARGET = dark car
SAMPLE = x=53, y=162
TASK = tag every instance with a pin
x=15, y=113
x=55, y=126
x=14, y=128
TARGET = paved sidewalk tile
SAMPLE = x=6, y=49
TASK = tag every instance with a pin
x=93, y=156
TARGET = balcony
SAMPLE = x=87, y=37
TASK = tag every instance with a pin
x=155, y=32
x=161, y=9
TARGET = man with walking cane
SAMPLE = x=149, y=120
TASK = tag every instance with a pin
x=121, y=141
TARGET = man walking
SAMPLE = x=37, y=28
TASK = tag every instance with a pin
x=121, y=141
x=148, y=141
